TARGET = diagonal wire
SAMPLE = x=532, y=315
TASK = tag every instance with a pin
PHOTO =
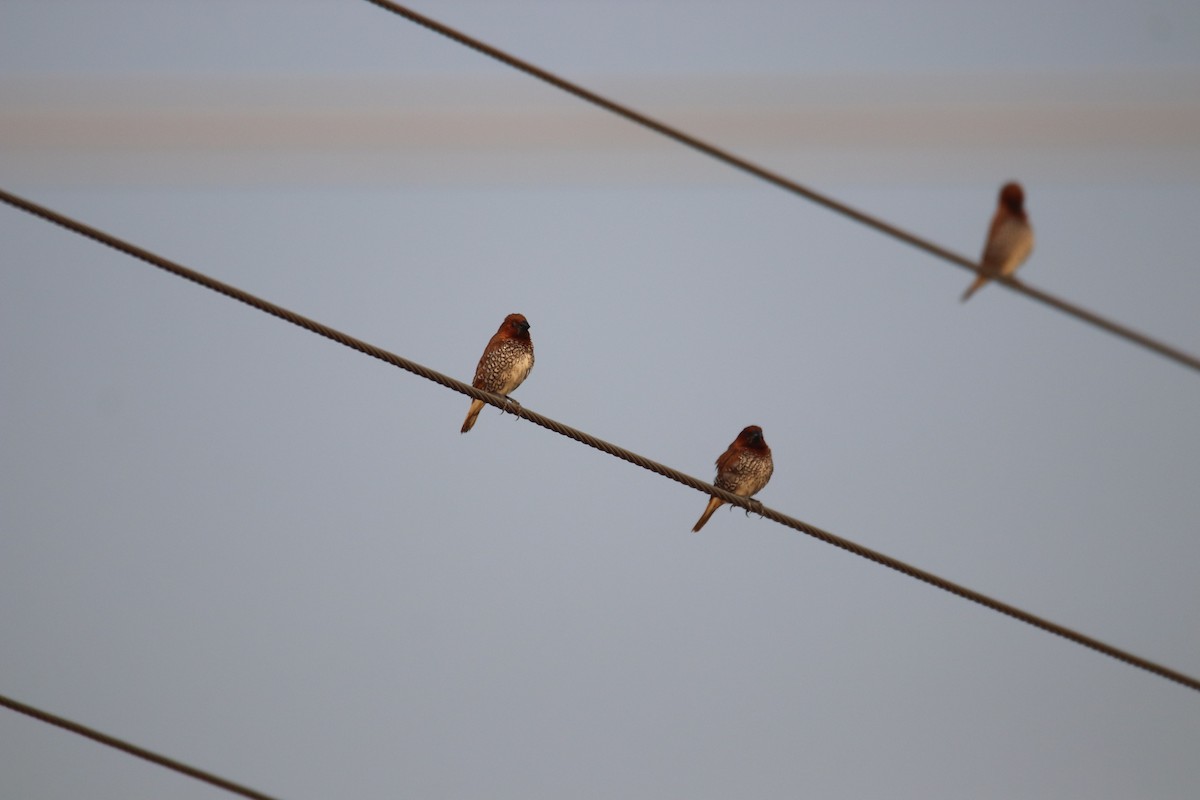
x=132, y=749
x=1115, y=328
x=591, y=441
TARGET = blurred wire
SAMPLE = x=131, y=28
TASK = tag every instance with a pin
x=775, y=178
x=627, y=455
x=132, y=749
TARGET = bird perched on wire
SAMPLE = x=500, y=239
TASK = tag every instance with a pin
x=505, y=363
x=1009, y=241
x=743, y=469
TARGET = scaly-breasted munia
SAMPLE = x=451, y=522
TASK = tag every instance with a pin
x=743, y=469
x=1009, y=241
x=505, y=363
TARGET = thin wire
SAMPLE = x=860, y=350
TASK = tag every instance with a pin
x=789, y=185
x=591, y=441
x=132, y=749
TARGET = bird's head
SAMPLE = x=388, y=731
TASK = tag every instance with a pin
x=516, y=326
x=1012, y=197
x=752, y=437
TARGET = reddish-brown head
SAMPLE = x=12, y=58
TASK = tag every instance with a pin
x=515, y=326
x=751, y=438
x=1012, y=197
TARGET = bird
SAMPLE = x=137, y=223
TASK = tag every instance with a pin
x=1009, y=240
x=743, y=469
x=504, y=365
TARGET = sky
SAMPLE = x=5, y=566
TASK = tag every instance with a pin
x=255, y=551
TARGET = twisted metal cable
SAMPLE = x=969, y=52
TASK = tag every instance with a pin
x=132, y=749
x=1115, y=328
x=591, y=441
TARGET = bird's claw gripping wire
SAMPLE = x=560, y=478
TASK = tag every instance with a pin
x=507, y=402
x=754, y=505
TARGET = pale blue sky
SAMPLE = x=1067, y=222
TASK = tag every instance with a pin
x=268, y=556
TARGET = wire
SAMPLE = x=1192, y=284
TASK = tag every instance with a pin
x=591, y=441
x=132, y=749
x=1115, y=328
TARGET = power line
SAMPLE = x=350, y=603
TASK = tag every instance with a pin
x=1115, y=328
x=599, y=444
x=132, y=749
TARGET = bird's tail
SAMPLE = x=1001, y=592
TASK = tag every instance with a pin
x=713, y=504
x=974, y=287
x=472, y=414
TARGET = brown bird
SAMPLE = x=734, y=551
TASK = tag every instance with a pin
x=1009, y=241
x=743, y=469
x=505, y=363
